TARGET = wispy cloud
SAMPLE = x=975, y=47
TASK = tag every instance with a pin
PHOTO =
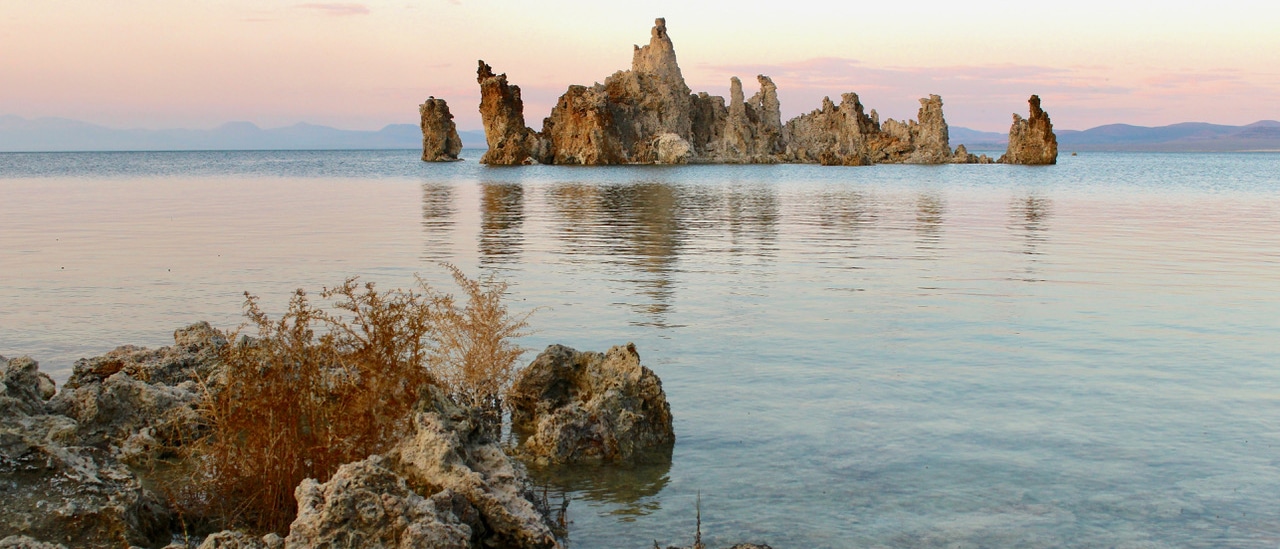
x=839, y=75
x=976, y=95
x=337, y=9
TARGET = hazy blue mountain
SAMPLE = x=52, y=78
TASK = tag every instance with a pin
x=975, y=140
x=1185, y=137
x=60, y=134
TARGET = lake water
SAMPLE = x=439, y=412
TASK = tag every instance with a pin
x=1080, y=355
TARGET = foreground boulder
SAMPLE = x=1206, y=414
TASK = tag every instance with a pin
x=1032, y=141
x=448, y=484
x=231, y=539
x=62, y=458
x=140, y=404
x=25, y=542
x=24, y=389
x=440, y=140
x=366, y=504
x=54, y=488
x=192, y=357
x=587, y=407
x=453, y=449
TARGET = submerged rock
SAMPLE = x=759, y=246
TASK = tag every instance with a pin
x=575, y=407
x=1032, y=141
x=440, y=140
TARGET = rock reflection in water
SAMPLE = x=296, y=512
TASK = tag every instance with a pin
x=438, y=213
x=1030, y=216
x=841, y=217
x=501, y=223
x=626, y=491
x=646, y=226
x=752, y=214
x=637, y=225
x=930, y=208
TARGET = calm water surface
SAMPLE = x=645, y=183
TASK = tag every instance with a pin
x=1083, y=355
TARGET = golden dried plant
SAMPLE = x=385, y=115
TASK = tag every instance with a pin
x=314, y=389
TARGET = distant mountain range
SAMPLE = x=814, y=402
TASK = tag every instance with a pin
x=59, y=134
x=1185, y=137
x=19, y=134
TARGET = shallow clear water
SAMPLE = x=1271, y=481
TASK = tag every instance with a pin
x=1080, y=355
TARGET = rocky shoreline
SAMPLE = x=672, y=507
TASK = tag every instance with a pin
x=648, y=115
x=94, y=464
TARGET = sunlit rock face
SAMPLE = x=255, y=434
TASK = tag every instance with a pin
x=502, y=114
x=440, y=140
x=628, y=117
x=1031, y=140
x=648, y=115
x=831, y=135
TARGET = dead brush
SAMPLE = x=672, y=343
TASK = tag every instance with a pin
x=314, y=390
x=476, y=356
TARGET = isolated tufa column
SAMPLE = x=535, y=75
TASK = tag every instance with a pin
x=1031, y=140
x=440, y=141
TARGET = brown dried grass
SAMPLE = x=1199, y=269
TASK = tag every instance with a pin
x=314, y=389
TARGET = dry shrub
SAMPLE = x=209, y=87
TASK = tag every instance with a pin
x=476, y=357
x=314, y=390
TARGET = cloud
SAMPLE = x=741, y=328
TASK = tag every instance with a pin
x=838, y=75
x=980, y=95
x=337, y=9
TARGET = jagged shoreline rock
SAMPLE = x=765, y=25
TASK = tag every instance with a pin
x=59, y=489
x=449, y=483
x=64, y=479
x=648, y=115
x=588, y=407
x=440, y=140
x=1031, y=140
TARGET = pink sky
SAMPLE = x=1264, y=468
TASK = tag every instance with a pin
x=362, y=65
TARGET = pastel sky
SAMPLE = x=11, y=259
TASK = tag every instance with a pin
x=362, y=65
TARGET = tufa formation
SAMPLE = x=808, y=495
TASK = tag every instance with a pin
x=648, y=115
x=587, y=407
x=1031, y=141
x=502, y=113
x=440, y=141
